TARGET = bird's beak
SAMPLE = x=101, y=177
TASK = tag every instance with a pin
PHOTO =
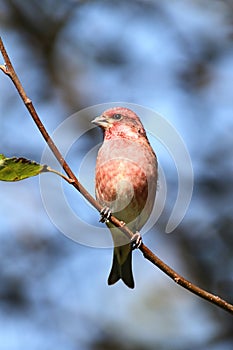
x=101, y=121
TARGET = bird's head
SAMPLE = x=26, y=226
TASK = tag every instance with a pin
x=119, y=120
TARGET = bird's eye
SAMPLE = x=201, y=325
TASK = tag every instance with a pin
x=117, y=116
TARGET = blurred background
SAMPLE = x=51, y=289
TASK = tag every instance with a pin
x=175, y=57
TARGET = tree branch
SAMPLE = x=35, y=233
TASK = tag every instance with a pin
x=147, y=253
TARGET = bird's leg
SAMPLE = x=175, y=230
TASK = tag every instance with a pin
x=136, y=240
x=105, y=214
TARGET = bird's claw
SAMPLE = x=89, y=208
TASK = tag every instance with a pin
x=105, y=214
x=136, y=240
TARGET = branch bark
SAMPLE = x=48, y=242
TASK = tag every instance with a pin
x=8, y=69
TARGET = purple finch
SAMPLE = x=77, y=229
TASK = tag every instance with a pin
x=125, y=182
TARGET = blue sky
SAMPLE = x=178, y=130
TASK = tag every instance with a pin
x=175, y=58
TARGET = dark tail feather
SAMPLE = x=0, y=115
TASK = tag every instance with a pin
x=126, y=271
x=121, y=271
x=115, y=273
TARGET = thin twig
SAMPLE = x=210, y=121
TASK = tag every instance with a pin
x=214, y=299
x=147, y=253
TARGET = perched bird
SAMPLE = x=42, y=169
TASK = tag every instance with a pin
x=125, y=182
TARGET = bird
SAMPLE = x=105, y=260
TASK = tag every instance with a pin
x=126, y=175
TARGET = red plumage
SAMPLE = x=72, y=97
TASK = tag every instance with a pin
x=125, y=181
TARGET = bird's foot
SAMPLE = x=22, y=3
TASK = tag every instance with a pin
x=105, y=214
x=136, y=240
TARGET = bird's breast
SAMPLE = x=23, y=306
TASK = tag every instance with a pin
x=126, y=178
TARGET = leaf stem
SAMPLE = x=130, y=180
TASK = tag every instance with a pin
x=66, y=178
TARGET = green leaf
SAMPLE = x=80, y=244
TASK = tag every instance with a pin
x=16, y=169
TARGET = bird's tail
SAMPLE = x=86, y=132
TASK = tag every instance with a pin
x=122, y=266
